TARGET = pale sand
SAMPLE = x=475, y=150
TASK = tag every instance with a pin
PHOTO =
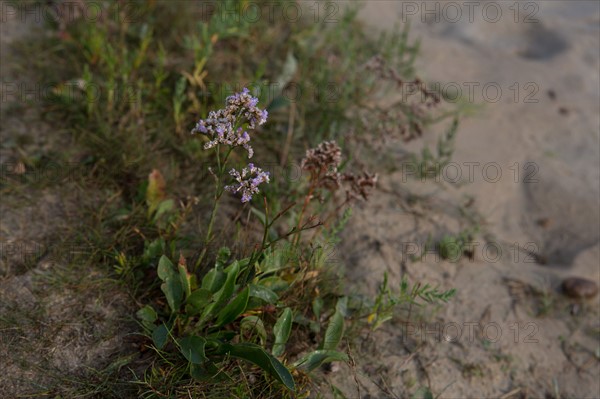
x=556, y=210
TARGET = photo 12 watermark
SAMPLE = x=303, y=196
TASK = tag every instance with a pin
x=470, y=172
x=69, y=11
x=469, y=11
x=470, y=332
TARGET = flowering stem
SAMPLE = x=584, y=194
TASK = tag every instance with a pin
x=218, y=193
x=267, y=224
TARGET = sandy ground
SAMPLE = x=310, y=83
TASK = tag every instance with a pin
x=57, y=319
x=530, y=175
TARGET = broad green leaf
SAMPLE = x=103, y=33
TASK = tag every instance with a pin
x=197, y=301
x=193, y=282
x=184, y=277
x=165, y=268
x=214, y=279
x=282, y=330
x=274, y=260
x=254, y=303
x=342, y=306
x=316, y=358
x=147, y=314
x=193, y=349
x=223, y=295
x=334, y=332
x=234, y=308
x=257, y=355
x=160, y=336
x=164, y=207
x=264, y=293
x=254, y=323
x=237, y=266
x=173, y=291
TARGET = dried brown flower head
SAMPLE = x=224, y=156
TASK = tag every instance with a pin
x=327, y=156
x=323, y=162
x=359, y=186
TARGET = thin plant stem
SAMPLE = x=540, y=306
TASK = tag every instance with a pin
x=218, y=193
x=304, y=206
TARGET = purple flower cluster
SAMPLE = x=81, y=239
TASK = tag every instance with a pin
x=221, y=126
x=247, y=181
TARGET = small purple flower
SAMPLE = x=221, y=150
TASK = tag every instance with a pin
x=247, y=181
x=220, y=125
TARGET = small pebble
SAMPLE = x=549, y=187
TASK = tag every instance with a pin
x=580, y=288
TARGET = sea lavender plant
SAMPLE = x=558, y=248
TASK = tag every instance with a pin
x=228, y=128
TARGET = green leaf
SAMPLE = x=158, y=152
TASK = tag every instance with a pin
x=237, y=266
x=282, y=330
x=316, y=358
x=165, y=268
x=173, y=291
x=147, y=314
x=197, y=300
x=164, y=207
x=274, y=260
x=184, y=277
x=223, y=295
x=258, y=356
x=223, y=256
x=334, y=332
x=160, y=336
x=153, y=249
x=214, y=279
x=234, y=308
x=342, y=306
x=223, y=335
x=264, y=293
x=193, y=349
x=250, y=323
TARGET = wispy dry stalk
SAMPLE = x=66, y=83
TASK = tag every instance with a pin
x=322, y=163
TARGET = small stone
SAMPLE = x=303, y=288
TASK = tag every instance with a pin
x=580, y=288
